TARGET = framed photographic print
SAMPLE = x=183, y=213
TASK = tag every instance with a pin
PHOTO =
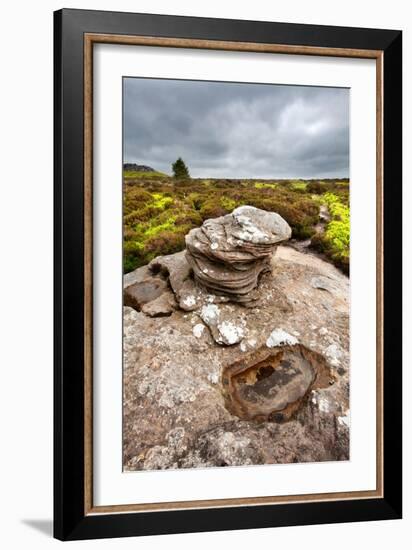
x=227, y=274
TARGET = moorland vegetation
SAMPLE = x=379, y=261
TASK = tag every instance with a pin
x=159, y=210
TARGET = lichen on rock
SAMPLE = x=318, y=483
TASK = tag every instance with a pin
x=230, y=253
x=279, y=337
x=209, y=382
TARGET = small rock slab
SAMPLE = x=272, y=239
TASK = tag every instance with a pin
x=140, y=293
x=226, y=328
x=162, y=306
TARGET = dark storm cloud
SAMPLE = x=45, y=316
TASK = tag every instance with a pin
x=237, y=130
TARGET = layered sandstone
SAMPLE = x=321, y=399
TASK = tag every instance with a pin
x=229, y=254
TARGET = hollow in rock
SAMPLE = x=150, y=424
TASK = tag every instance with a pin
x=272, y=384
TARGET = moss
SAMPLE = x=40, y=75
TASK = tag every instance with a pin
x=161, y=201
x=155, y=229
x=335, y=241
x=298, y=185
x=228, y=204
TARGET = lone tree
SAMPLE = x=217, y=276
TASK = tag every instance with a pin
x=180, y=169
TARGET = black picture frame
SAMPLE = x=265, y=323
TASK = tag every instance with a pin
x=71, y=522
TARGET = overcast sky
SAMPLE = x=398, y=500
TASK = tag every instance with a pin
x=237, y=130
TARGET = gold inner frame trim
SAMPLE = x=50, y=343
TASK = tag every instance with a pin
x=89, y=40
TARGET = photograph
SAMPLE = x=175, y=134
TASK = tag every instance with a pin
x=236, y=263
x=227, y=273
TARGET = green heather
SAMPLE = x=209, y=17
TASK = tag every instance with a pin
x=161, y=200
x=299, y=185
x=160, y=210
x=264, y=185
x=335, y=241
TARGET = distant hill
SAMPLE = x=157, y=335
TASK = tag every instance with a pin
x=128, y=166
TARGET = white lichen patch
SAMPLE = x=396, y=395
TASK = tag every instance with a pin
x=334, y=354
x=175, y=439
x=344, y=420
x=279, y=337
x=214, y=245
x=233, y=449
x=198, y=330
x=210, y=313
x=250, y=231
x=259, y=227
x=213, y=377
x=189, y=301
x=231, y=334
x=324, y=405
x=321, y=402
x=245, y=345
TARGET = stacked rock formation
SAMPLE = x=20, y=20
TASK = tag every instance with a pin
x=229, y=254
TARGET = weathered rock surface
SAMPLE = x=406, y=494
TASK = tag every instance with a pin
x=271, y=384
x=225, y=326
x=217, y=384
x=143, y=292
x=162, y=306
x=229, y=254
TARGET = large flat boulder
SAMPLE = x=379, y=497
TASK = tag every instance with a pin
x=276, y=391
